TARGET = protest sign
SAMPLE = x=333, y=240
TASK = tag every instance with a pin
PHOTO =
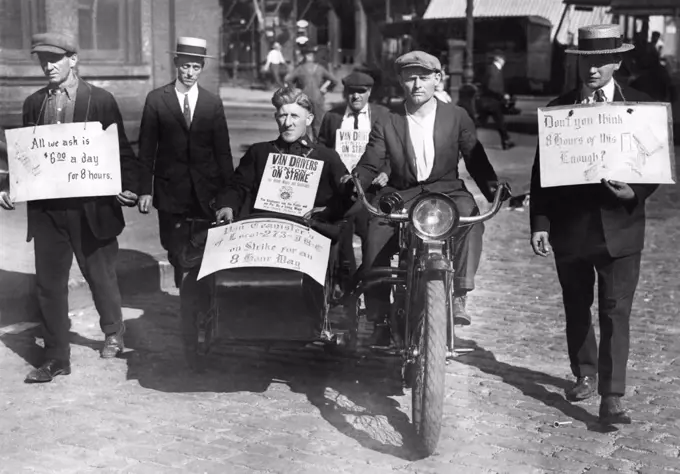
x=350, y=145
x=274, y=243
x=628, y=142
x=289, y=184
x=63, y=161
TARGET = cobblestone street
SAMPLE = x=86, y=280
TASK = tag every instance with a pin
x=254, y=411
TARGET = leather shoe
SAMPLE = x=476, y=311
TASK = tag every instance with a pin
x=460, y=314
x=508, y=144
x=50, y=369
x=612, y=411
x=585, y=387
x=113, y=344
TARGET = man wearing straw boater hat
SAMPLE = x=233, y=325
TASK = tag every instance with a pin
x=595, y=229
x=184, y=151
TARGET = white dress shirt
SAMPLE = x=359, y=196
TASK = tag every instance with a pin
x=421, y=132
x=193, y=98
x=275, y=57
x=364, y=119
x=589, y=95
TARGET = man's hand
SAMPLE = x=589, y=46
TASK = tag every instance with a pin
x=6, y=201
x=620, y=190
x=226, y=214
x=381, y=180
x=144, y=203
x=540, y=243
x=493, y=187
x=313, y=211
x=127, y=198
x=345, y=178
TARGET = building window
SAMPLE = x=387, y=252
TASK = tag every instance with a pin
x=109, y=30
x=19, y=20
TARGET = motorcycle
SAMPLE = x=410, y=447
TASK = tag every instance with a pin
x=421, y=319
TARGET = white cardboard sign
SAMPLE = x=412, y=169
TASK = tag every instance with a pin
x=63, y=161
x=350, y=145
x=289, y=184
x=266, y=242
x=628, y=142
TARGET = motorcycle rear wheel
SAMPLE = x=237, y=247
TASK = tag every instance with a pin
x=430, y=366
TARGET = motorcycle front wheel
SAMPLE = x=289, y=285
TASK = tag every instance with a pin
x=430, y=365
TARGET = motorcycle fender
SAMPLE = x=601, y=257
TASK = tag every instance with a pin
x=433, y=258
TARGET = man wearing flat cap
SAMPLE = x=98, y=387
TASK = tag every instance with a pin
x=84, y=227
x=356, y=114
x=422, y=142
x=595, y=230
x=185, y=153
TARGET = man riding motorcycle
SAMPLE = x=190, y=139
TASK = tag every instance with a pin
x=423, y=142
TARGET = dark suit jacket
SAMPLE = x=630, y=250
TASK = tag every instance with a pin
x=494, y=85
x=242, y=189
x=567, y=212
x=103, y=214
x=183, y=164
x=454, y=134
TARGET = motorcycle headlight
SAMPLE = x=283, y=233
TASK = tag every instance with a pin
x=434, y=217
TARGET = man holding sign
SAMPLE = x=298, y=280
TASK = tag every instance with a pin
x=346, y=129
x=85, y=226
x=594, y=229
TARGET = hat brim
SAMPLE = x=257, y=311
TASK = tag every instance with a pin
x=46, y=48
x=621, y=49
x=182, y=53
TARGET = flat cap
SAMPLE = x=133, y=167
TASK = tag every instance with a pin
x=358, y=80
x=58, y=43
x=418, y=59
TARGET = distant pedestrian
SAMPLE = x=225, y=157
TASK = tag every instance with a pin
x=495, y=98
x=276, y=65
x=440, y=90
x=595, y=230
x=86, y=227
x=185, y=153
x=315, y=81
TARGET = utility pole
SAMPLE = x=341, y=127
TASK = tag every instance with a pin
x=468, y=71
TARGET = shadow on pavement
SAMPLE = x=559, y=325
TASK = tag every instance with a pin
x=530, y=383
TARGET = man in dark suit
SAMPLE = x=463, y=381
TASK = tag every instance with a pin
x=86, y=227
x=184, y=151
x=356, y=114
x=595, y=229
x=422, y=142
x=494, y=96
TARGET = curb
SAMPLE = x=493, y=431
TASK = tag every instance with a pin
x=150, y=277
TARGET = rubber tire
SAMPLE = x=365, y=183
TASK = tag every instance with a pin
x=430, y=368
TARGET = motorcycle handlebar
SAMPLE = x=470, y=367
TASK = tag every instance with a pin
x=404, y=217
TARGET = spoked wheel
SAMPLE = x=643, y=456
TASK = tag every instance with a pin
x=429, y=369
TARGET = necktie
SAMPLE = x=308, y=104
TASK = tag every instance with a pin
x=599, y=96
x=187, y=110
x=356, y=120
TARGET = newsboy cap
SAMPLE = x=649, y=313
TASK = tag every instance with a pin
x=58, y=43
x=418, y=59
x=358, y=80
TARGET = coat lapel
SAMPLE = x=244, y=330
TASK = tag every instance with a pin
x=170, y=99
x=400, y=125
x=81, y=109
x=442, y=135
x=202, y=106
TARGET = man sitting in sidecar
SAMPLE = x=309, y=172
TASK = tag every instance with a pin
x=264, y=186
x=423, y=141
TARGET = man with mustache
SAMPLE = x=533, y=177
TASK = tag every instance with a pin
x=185, y=154
x=85, y=227
x=595, y=230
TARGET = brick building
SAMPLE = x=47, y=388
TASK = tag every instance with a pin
x=124, y=46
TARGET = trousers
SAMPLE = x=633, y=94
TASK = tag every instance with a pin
x=382, y=244
x=61, y=232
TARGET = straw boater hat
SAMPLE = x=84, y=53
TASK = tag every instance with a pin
x=600, y=39
x=187, y=46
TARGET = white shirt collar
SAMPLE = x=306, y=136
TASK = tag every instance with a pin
x=349, y=112
x=608, y=89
